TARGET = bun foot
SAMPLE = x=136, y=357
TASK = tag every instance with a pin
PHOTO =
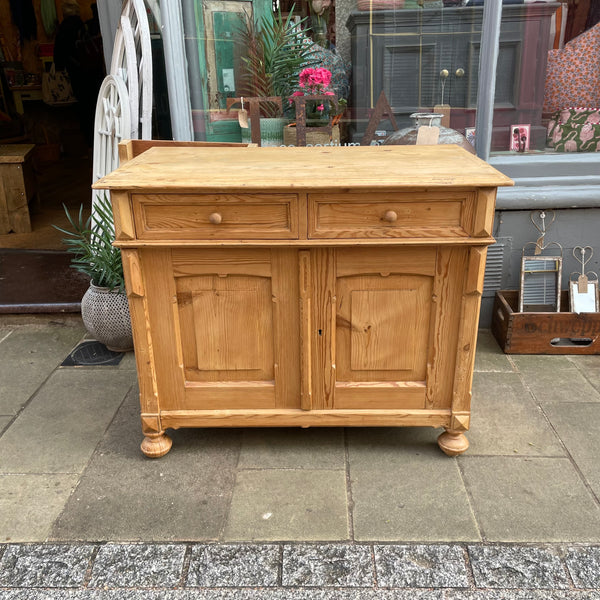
x=157, y=445
x=452, y=442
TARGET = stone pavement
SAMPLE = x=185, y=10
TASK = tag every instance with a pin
x=323, y=513
x=299, y=570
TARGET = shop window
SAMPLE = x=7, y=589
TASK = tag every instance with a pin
x=422, y=55
x=557, y=85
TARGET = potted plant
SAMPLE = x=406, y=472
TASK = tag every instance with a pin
x=321, y=107
x=276, y=51
x=104, y=306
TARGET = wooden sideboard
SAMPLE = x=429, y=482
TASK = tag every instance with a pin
x=304, y=286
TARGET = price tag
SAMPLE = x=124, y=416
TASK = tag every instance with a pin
x=243, y=118
x=582, y=284
x=428, y=135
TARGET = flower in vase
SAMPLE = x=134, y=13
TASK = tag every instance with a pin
x=315, y=82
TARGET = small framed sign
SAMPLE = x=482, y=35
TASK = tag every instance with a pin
x=583, y=286
x=583, y=299
x=519, y=137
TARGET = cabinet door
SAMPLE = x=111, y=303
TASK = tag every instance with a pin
x=383, y=303
x=385, y=327
x=233, y=342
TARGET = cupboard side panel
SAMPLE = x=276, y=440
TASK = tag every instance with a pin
x=164, y=324
x=467, y=337
x=447, y=295
x=142, y=336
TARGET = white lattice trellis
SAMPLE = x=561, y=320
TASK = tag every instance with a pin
x=124, y=106
x=113, y=124
x=132, y=61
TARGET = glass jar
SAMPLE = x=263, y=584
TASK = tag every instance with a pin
x=408, y=136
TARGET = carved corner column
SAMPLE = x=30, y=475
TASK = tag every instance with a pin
x=156, y=443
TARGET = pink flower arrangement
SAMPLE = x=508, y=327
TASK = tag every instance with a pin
x=314, y=82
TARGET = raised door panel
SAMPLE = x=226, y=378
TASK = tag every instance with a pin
x=237, y=321
x=384, y=314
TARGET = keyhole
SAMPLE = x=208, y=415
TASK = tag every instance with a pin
x=320, y=332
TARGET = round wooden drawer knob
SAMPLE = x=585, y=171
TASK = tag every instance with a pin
x=215, y=218
x=391, y=216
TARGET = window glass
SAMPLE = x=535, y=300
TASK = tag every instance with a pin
x=373, y=62
x=548, y=85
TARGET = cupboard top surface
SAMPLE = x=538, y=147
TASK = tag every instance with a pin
x=327, y=168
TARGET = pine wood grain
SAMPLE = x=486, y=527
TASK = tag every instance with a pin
x=302, y=418
x=386, y=215
x=216, y=216
x=335, y=287
x=123, y=216
x=335, y=168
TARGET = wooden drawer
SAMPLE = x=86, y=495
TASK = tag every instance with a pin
x=215, y=216
x=390, y=215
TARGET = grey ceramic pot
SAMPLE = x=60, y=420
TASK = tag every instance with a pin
x=105, y=314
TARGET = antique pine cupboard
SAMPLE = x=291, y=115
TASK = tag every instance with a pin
x=333, y=286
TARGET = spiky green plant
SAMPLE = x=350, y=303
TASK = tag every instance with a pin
x=90, y=242
x=276, y=50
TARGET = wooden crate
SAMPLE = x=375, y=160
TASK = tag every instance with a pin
x=543, y=332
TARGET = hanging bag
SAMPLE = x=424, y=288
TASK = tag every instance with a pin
x=56, y=88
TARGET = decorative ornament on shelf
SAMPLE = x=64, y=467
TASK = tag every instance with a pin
x=424, y=132
x=583, y=285
x=541, y=272
x=318, y=109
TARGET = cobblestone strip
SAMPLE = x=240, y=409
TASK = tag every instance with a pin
x=303, y=571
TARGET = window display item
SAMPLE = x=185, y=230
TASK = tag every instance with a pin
x=572, y=116
x=408, y=136
x=519, y=137
x=541, y=273
x=470, y=135
x=583, y=286
x=573, y=73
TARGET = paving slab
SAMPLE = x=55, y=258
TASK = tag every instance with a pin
x=138, y=565
x=590, y=468
x=542, y=364
x=273, y=505
x=506, y=420
x=323, y=565
x=234, y=565
x=4, y=421
x=589, y=365
x=489, y=357
x=403, y=485
x=45, y=566
x=61, y=426
x=519, y=499
x=124, y=496
x=29, y=504
x=563, y=386
x=421, y=566
x=584, y=566
x=517, y=567
x=293, y=448
x=577, y=427
x=127, y=362
x=27, y=357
